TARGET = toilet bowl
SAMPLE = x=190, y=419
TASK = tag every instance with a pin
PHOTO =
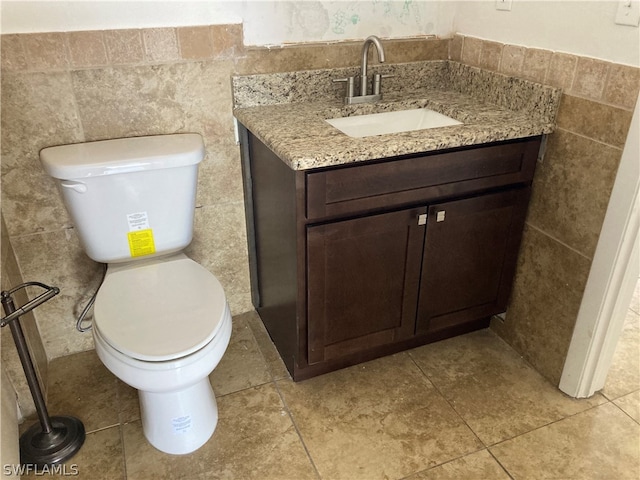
x=161, y=321
x=181, y=330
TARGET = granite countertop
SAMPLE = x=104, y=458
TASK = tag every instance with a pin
x=290, y=120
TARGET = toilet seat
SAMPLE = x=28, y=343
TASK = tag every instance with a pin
x=159, y=311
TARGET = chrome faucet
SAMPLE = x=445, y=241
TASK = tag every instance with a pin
x=365, y=58
x=363, y=97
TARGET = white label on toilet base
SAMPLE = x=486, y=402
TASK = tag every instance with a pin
x=181, y=424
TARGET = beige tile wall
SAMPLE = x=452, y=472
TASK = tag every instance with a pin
x=60, y=88
x=571, y=190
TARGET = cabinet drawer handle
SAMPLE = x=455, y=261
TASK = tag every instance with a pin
x=422, y=219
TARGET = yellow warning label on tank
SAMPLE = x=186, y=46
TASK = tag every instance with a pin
x=141, y=243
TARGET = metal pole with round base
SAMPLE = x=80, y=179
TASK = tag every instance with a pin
x=54, y=439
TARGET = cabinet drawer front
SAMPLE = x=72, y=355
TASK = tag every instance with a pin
x=366, y=187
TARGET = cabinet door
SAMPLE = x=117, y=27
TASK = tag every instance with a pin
x=363, y=278
x=470, y=254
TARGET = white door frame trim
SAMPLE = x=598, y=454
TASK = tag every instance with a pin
x=613, y=275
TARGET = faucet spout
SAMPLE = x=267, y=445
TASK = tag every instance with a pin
x=365, y=54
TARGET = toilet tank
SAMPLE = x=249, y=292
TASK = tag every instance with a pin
x=129, y=198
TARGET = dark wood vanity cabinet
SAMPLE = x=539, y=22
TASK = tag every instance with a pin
x=357, y=261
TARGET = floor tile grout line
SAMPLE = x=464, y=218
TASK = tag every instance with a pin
x=500, y=463
x=548, y=424
x=411, y=475
x=531, y=366
x=624, y=411
x=274, y=381
x=96, y=430
x=485, y=446
x=298, y=432
x=262, y=354
x=266, y=363
x=521, y=357
x=264, y=360
x=522, y=433
x=253, y=335
x=244, y=389
x=612, y=398
x=124, y=453
x=445, y=398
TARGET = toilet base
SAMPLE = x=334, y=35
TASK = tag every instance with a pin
x=177, y=404
x=179, y=422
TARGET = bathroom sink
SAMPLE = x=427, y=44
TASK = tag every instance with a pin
x=391, y=122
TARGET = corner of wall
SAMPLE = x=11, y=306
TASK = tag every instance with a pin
x=571, y=189
x=9, y=443
x=11, y=277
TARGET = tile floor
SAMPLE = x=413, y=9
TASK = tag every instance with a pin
x=468, y=408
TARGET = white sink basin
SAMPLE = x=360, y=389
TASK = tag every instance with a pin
x=391, y=122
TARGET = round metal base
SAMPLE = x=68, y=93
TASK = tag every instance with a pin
x=64, y=440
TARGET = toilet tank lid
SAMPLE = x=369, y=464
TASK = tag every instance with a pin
x=122, y=155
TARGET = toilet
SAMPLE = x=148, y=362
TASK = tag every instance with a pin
x=161, y=321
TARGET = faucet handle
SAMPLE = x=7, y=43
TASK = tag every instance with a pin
x=377, y=81
x=350, y=81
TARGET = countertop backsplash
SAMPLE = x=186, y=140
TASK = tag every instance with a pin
x=408, y=79
x=286, y=111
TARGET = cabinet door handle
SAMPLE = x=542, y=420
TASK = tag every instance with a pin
x=422, y=219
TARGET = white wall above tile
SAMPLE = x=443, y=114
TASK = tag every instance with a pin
x=280, y=22
x=265, y=22
x=579, y=27
x=25, y=16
